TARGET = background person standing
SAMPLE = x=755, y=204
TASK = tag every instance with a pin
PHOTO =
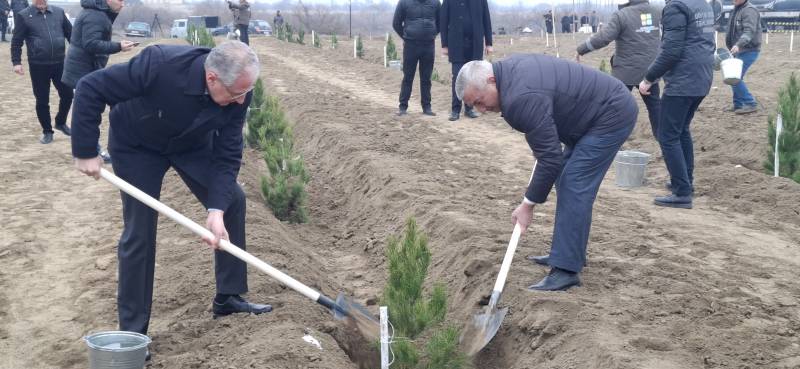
x=44, y=29
x=277, y=22
x=417, y=23
x=465, y=26
x=686, y=62
x=634, y=29
x=4, y=11
x=744, y=41
x=241, y=17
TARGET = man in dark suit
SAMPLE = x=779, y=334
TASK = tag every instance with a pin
x=181, y=107
x=464, y=25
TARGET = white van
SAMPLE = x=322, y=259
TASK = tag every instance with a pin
x=178, y=28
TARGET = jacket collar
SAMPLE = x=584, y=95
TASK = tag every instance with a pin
x=196, y=85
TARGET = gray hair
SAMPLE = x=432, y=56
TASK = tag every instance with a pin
x=230, y=60
x=475, y=74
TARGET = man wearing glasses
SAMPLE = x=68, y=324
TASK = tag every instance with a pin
x=179, y=107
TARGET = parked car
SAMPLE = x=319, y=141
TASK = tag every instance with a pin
x=259, y=27
x=178, y=28
x=138, y=29
x=224, y=30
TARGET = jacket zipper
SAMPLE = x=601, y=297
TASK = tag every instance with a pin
x=49, y=34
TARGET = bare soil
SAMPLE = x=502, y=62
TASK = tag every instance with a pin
x=710, y=287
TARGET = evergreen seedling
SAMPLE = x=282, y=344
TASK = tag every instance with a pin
x=316, y=41
x=359, y=47
x=604, y=66
x=334, y=41
x=391, y=49
x=789, y=140
x=288, y=32
x=301, y=35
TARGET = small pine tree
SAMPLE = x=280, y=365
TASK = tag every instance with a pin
x=316, y=41
x=604, y=66
x=334, y=41
x=391, y=49
x=435, y=76
x=289, y=33
x=258, y=95
x=359, y=47
x=281, y=33
x=410, y=313
x=789, y=140
x=301, y=35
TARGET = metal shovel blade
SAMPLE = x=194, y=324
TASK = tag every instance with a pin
x=358, y=316
x=483, y=328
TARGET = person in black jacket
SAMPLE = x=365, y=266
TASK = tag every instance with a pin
x=417, y=23
x=17, y=6
x=554, y=101
x=181, y=107
x=90, y=44
x=686, y=62
x=548, y=21
x=465, y=26
x=44, y=29
x=4, y=11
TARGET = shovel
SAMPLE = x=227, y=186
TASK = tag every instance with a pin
x=343, y=308
x=486, y=324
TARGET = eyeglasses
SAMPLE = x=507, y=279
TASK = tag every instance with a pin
x=236, y=96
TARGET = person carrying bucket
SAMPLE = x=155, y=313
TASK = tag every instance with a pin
x=744, y=41
x=554, y=101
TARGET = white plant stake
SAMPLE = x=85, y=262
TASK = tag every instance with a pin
x=791, y=41
x=384, y=337
x=355, y=51
x=767, y=41
x=547, y=39
x=778, y=130
x=385, y=63
x=512, y=41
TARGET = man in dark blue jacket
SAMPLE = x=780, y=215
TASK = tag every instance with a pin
x=466, y=31
x=178, y=107
x=553, y=101
x=90, y=44
x=686, y=63
x=417, y=23
x=44, y=30
x=4, y=11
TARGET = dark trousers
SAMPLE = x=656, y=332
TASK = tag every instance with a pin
x=243, y=36
x=3, y=26
x=675, y=139
x=585, y=165
x=422, y=52
x=41, y=76
x=653, y=104
x=137, y=246
x=455, y=104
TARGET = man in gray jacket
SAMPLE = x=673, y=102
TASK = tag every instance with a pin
x=553, y=101
x=241, y=17
x=744, y=41
x=686, y=62
x=634, y=27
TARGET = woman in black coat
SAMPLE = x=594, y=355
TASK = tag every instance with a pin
x=466, y=27
x=90, y=44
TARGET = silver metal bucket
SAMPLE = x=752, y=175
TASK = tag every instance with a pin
x=117, y=350
x=630, y=167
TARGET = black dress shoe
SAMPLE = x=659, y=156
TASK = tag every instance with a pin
x=401, y=112
x=674, y=201
x=64, y=129
x=541, y=260
x=46, y=138
x=471, y=113
x=428, y=111
x=557, y=280
x=453, y=116
x=236, y=304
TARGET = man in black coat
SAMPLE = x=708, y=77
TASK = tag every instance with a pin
x=417, y=23
x=466, y=30
x=90, y=44
x=554, y=102
x=4, y=11
x=686, y=62
x=17, y=6
x=44, y=29
x=178, y=107
x=548, y=21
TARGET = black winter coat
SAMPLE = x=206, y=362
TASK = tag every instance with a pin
x=18, y=6
x=4, y=7
x=552, y=101
x=91, y=42
x=686, y=58
x=44, y=35
x=417, y=20
x=453, y=15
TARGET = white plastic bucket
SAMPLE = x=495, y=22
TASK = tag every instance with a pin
x=732, y=71
x=630, y=167
x=117, y=350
